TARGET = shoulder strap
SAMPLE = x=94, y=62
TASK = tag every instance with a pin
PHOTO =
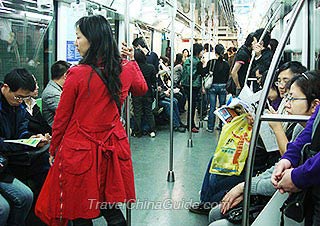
x=212, y=65
x=316, y=123
x=99, y=72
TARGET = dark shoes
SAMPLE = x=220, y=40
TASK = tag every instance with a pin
x=200, y=208
x=179, y=129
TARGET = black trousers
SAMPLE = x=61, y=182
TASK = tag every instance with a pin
x=113, y=216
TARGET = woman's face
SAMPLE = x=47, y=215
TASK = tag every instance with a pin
x=81, y=43
x=35, y=93
x=297, y=106
x=185, y=53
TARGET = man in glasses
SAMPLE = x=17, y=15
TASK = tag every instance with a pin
x=30, y=165
x=285, y=72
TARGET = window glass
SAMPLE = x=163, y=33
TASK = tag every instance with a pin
x=26, y=38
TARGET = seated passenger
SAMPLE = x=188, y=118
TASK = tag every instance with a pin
x=25, y=164
x=15, y=200
x=164, y=101
x=51, y=94
x=309, y=98
x=288, y=176
x=37, y=123
x=215, y=186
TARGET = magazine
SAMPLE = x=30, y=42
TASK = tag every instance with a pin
x=226, y=114
x=33, y=142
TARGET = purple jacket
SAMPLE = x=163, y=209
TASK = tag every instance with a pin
x=307, y=174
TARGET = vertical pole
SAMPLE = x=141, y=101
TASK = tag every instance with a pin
x=202, y=36
x=170, y=177
x=127, y=102
x=193, y=5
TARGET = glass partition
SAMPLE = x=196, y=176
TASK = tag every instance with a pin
x=27, y=38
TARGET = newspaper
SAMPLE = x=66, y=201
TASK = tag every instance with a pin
x=33, y=142
x=246, y=103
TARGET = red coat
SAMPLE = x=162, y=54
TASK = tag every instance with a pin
x=92, y=153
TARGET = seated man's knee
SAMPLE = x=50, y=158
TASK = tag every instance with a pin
x=4, y=210
x=24, y=198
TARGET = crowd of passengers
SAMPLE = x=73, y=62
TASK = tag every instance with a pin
x=294, y=91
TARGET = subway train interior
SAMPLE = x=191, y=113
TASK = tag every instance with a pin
x=180, y=165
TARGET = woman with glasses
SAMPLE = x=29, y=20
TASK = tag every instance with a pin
x=90, y=153
x=307, y=101
x=288, y=176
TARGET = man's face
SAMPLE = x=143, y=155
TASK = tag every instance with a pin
x=17, y=97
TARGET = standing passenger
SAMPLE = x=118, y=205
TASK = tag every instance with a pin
x=92, y=168
x=142, y=106
x=152, y=57
x=51, y=94
x=220, y=70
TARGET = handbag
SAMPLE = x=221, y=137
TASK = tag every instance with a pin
x=258, y=202
x=294, y=207
x=209, y=78
x=231, y=86
x=3, y=163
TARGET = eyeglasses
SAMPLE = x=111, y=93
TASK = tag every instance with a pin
x=19, y=98
x=277, y=83
x=290, y=98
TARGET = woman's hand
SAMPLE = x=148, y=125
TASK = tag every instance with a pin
x=127, y=51
x=286, y=184
x=232, y=198
x=277, y=174
x=250, y=119
x=51, y=160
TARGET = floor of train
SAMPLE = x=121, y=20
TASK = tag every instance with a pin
x=160, y=202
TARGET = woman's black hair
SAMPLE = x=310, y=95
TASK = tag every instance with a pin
x=309, y=83
x=219, y=50
x=103, y=51
x=178, y=60
x=249, y=40
x=187, y=51
x=139, y=56
x=197, y=48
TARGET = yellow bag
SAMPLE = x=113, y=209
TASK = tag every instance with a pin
x=233, y=146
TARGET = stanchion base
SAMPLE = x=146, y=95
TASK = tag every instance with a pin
x=170, y=177
x=190, y=145
x=201, y=124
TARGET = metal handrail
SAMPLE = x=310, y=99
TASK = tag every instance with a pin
x=256, y=125
x=284, y=118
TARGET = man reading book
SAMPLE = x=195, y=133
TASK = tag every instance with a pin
x=25, y=163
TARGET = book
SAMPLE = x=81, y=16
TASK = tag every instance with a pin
x=33, y=142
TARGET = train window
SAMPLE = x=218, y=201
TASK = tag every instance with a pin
x=314, y=34
x=26, y=38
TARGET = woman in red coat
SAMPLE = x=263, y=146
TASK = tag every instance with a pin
x=92, y=167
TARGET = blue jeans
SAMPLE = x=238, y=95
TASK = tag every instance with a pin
x=165, y=103
x=214, y=91
x=215, y=186
x=21, y=198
